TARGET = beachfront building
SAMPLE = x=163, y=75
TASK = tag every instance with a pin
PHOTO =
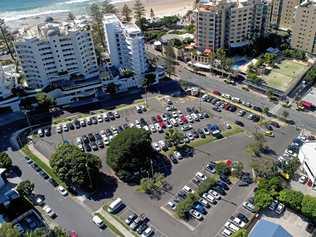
x=125, y=45
x=304, y=27
x=282, y=15
x=55, y=52
x=230, y=23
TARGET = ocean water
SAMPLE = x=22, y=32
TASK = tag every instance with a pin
x=16, y=9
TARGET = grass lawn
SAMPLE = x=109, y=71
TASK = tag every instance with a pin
x=282, y=77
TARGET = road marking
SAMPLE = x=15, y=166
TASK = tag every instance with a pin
x=190, y=227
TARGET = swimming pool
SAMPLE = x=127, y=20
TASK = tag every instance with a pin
x=239, y=63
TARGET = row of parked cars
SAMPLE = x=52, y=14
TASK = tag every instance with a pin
x=78, y=123
x=139, y=224
x=209, y=198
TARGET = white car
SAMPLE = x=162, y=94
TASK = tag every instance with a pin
x=116, y=114
x=195, y=214
x=214, y=194
x=227, y=125
x=200, y=176
x=187, y=189
x=148, y=232
x=302, y=179
x=100, y=118
x=59, y=129
x=204, y=203
x=209, y=198
x=174, y=114
x=249, y=206
x=178, y=155
x=78, y=140
x=226, y=232
x=49, y=211
x=231, y=226
x=206, y=131
x=40, y=132
x=105, y=140
x=190, y=136
x=162, y=144
x=65, y=128
x=280, y=208
x=173, y=122
x=146, y=128
x=62, y=190
x=238, y=222
x=131, y=125
x=152, y=128
x=172, y=205
x=156, y=146
x=97, y=220
x=227, y=96
x=190, y=119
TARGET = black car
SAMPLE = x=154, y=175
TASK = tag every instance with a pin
x=71, y=126
x=256, y=108
x=232, y=108
x=269, y=127
x=94, y=146
x=196, y=181
x=195, y=134
x=111, y=115
x=217, y=109
x=108, y=132
x=182, y=194
x=91, y=137
x=222, y=184
x=256, y=118
x=242, y=217
x=35, y=167
x=142, y=122
x=120, y=129
x=98, y=136
x=125, y=125
x=85, y=139
x=89, y=121
x=219, y=189
x=77, y=124
x=206, y=115
x=225, y=179
x=189, y=110
x=239, y=123
x=87, y=147
x=100, y=143
x=153, y=119
x=275, y=124
x=53, y=182
x=140, y=229
x=173, y=159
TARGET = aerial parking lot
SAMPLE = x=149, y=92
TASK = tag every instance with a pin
x=198, y=119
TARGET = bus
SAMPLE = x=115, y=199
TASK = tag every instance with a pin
x=115, y=205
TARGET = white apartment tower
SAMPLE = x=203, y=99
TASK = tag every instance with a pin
x=125, y=45
x=54, y=52
x=230, y=23
x=304, y=27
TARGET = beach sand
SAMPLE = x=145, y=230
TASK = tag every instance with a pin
x=160, y=7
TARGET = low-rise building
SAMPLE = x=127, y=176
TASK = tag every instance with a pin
x=307, y=157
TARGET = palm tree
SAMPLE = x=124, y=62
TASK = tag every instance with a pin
x=173, y=136
x=6, y=37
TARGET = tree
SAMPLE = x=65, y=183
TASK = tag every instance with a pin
x=44, y=101
x=152, y=14
x=75, y=167
x=291, y=198
x=5, y=161
x=222, y=168
x=7, y=230
x=130, y=154
x=183, y=207
x=262, y=199
x=25, y=188
x=206, y=185
x=71, y=16
x=240, y=233
x=111, y=88
x=266, y=110
x=259, y=137
x=97, y=26
x=220, y=54
x=149, y=80
x=268, y=58
x=309, y=207
x=148, y=185
x=126, y=13
x=44, y=232
x=264, y=167
x=253, y=149
x=6, y=38
x=108, y=8
x=311, y=75
x=139, y=11
x=173, y=136
x=291, y=166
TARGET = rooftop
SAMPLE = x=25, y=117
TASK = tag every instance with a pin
x=265, y=228
x=308, y=154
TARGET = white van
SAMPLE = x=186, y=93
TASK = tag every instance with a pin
x=115, y=205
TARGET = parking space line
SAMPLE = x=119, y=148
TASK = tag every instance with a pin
x=190, y=227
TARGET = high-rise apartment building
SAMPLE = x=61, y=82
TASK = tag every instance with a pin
x=230, y=24
x=52, y=52
x=282, y=15
x=125, y=45
x=304, y=27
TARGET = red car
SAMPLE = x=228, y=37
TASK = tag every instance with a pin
x=215, y=92
x=73, y=234
x=183, y=119
x=162, y=124
x=159, y=119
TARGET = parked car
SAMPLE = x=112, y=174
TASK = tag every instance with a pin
x=136, y=223
x=209, y=198
x=197, y=215
x=187, y=189
x=219, y=190
x=249, y=206
x=239, y=123
x=62, y=190
x=214, y=194
x=280, y=208
x=98, y=221
x=273, y=205
x=200, y=176
x=148, y=232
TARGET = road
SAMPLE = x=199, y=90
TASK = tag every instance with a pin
x=302, y=120
x=71, y=215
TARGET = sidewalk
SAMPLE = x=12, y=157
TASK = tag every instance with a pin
x=115, y=223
